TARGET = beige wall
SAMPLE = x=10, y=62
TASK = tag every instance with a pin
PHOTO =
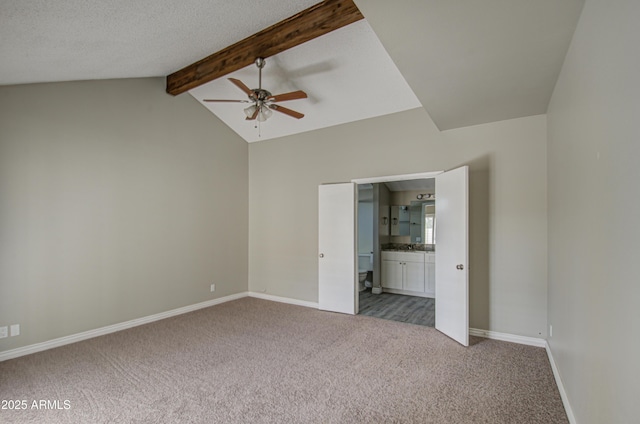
x=117, y=201
x=594, y=207
x=507, y=201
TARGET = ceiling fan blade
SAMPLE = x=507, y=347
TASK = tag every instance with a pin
x=254, y=116
x=286, y=111
x=249, y=92
x=226, y=101
x=288, y=96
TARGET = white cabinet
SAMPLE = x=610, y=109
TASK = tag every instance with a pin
x=430, y=274
x=392, y=272
x=411, y=273
x=403, y=271
x=413, y=276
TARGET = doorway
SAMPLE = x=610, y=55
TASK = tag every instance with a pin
x=403, y=239
x=337, y=226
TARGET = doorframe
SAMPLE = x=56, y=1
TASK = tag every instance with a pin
x=390, y=178
x=384, y=179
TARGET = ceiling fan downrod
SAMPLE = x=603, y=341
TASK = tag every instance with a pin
x=260, y=62
x=260, y=95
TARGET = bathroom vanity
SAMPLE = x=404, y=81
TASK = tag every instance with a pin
x=409, y=272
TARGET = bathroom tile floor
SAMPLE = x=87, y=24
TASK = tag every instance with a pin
x=398, y=307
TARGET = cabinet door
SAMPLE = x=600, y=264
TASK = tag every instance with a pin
x=414, y=276
x=430, y=277
x=391, y=274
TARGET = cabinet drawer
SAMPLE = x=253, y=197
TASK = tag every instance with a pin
x=403, y=256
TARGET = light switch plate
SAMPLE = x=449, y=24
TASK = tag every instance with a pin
x=15, y=330
x=3, y=332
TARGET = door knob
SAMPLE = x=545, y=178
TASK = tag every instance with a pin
x=460, y=267
x=321, y=255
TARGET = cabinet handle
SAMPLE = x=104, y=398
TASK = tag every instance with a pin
x=321, y=255
x=460, y=267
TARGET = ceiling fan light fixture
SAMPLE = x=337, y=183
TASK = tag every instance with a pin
x=250, y=111
x=264, y=114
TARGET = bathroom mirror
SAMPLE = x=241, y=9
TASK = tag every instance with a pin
x=423, y=221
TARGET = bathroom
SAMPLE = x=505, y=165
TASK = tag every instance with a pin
x=396, y=250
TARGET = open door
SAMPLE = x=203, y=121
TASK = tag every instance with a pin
x=452, y=254
x=337, y=273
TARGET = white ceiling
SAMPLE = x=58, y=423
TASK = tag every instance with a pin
x=356, y=81
x=468, y=62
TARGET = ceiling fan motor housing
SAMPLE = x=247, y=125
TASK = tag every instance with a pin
x=260, y=94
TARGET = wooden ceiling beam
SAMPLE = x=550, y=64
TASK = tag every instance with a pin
x=313, y=22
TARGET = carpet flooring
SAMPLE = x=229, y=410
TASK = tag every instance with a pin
x=398, y=307
x=256, y=361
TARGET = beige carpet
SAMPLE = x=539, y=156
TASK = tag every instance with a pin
x=255, y=361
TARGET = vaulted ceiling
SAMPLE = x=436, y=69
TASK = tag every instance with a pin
x=468, y=62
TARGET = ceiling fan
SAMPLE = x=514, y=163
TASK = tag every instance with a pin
x=262, y=101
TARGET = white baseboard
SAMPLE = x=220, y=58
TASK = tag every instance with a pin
x=532, y=341
x=505, y=337
x=563, y=393
x=284, y=300
x=61, y=341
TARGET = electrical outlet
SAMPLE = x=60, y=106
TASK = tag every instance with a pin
x=15, y=330
x=213, y=287
x=3, y=332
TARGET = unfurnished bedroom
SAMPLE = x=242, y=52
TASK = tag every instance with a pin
x=339, y=211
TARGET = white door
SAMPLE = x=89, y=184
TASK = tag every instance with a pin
x=337, y=273
x=452, y=254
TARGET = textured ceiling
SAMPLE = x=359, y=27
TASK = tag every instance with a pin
x=64, y=40
x=468, y=62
